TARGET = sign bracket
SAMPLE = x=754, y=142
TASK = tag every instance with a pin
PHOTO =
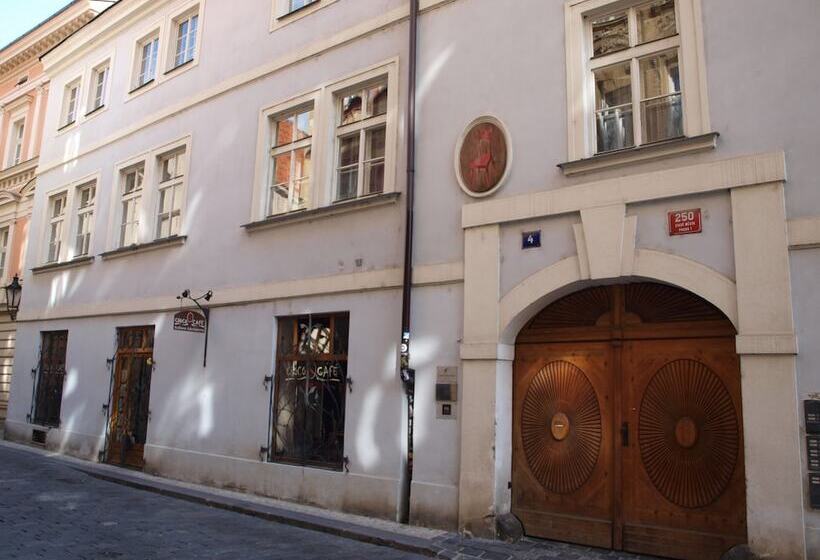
x=186, y=294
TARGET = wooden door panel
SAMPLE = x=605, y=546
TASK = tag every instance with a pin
x=683, y=476
x=562, y=441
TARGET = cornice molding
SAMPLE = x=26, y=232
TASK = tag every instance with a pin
x=48, y=39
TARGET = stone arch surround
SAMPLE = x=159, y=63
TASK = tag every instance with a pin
x=758, y=302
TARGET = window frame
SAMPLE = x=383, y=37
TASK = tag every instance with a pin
x=6, y=230
x=80, y=212
x=367, y=123
x=324, y=151
x=581, y=138
x=94, y=94
x=15, y=141
x=138, y=193
x=173, y=22
x=291, y=148
x=178, y=181
x=65, y=121
x=153, y=36
x=281, y=359
x=53, y=220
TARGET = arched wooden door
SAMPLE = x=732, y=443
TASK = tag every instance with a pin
x=627, y=424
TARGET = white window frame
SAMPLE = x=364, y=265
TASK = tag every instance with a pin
x=324, y=151
x=176, y=185
x=97, y=90
x=138, y=193
x=581, y=139
x=137, y=82
x=292, y=148
x=282, y=14
x=15, y=143
x=80, y=212
x=68, y=116
x=359, y=128
x=149, y=197
x=173, y=24
x=51, y=256
x=5, y=249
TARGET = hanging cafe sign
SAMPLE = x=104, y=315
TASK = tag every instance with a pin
x=190, y=320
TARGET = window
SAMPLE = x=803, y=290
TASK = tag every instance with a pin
x=70, y=98
x=170, y=190
x=4, y=248
x=85, y=219
x=131, y=196
x=147, y=55
x=311, y=383
x=622, y=118
x=51, y=373
x=56, y=214
x=186, y=31
x=291, y=166
x=18, y=131
x=99, y=85
x=361, y=141
x=294, y=5
x=635, y=74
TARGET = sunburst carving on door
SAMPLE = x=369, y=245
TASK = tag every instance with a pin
x=688, y=433
x=561, y=427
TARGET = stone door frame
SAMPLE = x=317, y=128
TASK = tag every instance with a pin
x=758, y=302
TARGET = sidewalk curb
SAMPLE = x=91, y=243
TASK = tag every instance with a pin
x=353, y=531
x=270, y=513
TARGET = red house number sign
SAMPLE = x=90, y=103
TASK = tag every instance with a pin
x=683, y=222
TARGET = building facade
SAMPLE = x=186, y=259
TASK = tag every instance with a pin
x=615, y=246
x=23, y=98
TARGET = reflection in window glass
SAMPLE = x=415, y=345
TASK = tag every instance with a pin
x=656, y=21
x=610, y=34
x=661, y=111
x=613, y=101
x=351, y=109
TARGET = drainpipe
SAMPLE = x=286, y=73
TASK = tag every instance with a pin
x=408, y=375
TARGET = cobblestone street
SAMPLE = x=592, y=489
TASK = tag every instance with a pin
x=50, y=511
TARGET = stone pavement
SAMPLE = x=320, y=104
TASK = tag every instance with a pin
x=57, y=507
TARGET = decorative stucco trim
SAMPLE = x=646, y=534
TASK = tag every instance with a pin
x=384, y=279
x=668, y=183
x=804, y=233
x=775, y=343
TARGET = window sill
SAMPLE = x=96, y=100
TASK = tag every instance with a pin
x=277, y=22
x=53, y=267
x=173, y=241
x=188, y=62
x=95, y=110
x=142, y=87
x=641, y=154
x=334, y=209
x=67, y=125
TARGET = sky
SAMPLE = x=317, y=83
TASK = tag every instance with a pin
x=19, y=16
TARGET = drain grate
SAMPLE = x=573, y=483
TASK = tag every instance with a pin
x=38, y=436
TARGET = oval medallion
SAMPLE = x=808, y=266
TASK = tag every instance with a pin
x=482, y=157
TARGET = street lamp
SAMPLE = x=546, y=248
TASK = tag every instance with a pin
x=13, y=293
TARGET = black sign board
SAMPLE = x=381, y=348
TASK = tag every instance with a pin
x=814, y=490
x=190, y=321
x=813, y=452
x=811, y=408
x=531, y=239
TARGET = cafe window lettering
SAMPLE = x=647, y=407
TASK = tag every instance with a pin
x=310, y=388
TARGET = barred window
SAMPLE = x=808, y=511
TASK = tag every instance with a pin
x=51, y=373
x=309, y=399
